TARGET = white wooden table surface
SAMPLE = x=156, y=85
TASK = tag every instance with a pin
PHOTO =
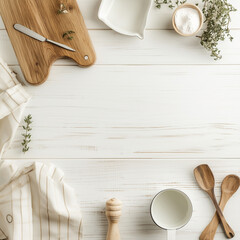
x=138, y=121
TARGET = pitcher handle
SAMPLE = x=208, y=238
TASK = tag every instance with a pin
x=171, y=234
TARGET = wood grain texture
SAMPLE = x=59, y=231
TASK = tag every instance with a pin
x=160, y=47
x=158, y=19
x=205, y=179
x=135, y=112
x=34, y=57
x=229, y=187
x=136, y=122
x=136, y=183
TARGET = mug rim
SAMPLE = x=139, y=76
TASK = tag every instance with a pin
x=177, y=190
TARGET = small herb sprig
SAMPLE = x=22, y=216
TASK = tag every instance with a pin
x=217, y=18
x=171, y=4
x=26, y=135
x=68, y=35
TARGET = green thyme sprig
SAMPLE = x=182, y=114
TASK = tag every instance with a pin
x=26, y=135
x=217, y=19
x=171, y=4
x=68, y=35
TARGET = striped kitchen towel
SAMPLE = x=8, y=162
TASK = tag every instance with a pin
x=37, y=204
x=13, y=99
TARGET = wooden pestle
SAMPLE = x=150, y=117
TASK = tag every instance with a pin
x=113, y=213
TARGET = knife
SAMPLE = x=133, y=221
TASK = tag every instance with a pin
x=38, y=37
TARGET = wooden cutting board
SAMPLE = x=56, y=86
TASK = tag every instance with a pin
x=34, y=57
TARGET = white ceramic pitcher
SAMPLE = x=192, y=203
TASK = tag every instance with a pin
x=171, y=209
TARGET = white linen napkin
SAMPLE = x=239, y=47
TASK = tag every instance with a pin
x=37, y=204
x=35, y=201
x=13, y=99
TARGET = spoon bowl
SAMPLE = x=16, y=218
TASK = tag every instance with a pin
x=230, y=184
x=204, y=177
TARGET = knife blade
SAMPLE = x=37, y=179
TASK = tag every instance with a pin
x=39, y=37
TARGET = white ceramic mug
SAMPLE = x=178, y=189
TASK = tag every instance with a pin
x=171, y=209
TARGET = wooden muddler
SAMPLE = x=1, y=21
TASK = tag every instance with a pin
x=113, y=213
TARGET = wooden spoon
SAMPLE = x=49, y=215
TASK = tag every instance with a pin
x=230, y=185
x=206, y=181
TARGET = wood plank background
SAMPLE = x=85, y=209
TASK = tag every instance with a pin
x=136, y=182
x=138, y=121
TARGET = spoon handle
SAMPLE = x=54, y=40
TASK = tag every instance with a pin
x=228, y=231
x=210, y=230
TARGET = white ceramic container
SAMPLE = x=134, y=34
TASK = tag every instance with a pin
x=127, y=17
x=171, y=209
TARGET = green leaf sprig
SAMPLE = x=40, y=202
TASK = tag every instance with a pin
x=217, y=19
x=26, y=135
x=171, y=4
x=68, y=35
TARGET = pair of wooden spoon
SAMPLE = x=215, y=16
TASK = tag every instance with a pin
x=230, y=185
